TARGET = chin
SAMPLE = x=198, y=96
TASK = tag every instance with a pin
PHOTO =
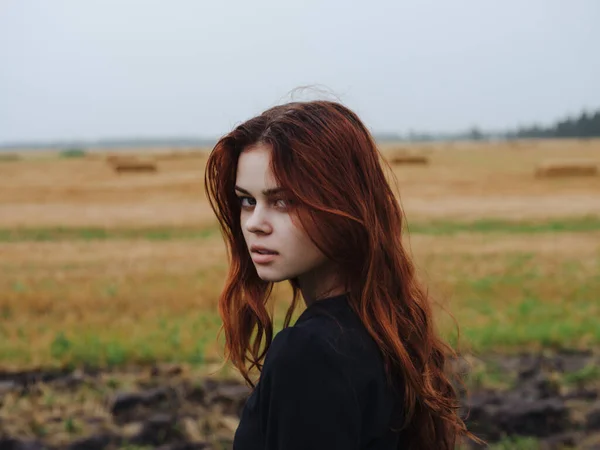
x=272, y=277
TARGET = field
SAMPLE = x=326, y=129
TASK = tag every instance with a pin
x=122, y=270
x=105, y=268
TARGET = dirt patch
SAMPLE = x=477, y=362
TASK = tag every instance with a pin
x=552, y=397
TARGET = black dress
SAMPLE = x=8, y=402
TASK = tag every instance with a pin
x=322, y=387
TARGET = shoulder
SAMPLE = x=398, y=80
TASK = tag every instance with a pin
x=293, y=343
x=302, y=366
x=301, y=350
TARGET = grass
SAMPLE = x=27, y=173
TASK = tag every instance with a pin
x=107, y=309
x=435, y=228
x=52, y=234
x=587, y=374
x=575, y=224
x=528, y=302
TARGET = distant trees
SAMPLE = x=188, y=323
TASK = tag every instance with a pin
x=586, y=125
x=72, y=153
x=476, y=134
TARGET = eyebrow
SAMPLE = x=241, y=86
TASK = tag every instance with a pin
x=266, y=192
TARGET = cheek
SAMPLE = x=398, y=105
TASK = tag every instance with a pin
x=303, y=245
x=292, y=231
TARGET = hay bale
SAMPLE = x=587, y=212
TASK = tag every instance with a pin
x=575, y=168
x=400, y=155
x=410, y=159
x=139, y=166
x=122, y=164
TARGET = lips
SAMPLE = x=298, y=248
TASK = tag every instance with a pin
x=260, y=250
x=259, y=258
x=262, y=255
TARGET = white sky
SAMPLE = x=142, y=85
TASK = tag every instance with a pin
x=90, y=69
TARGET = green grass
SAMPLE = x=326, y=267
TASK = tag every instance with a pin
x=519, y=301
x=52, y=234
x=531, y=302
x=441, y=228
x=95, y=313
x=587, y=374
x=176, y=340
x=436, y=228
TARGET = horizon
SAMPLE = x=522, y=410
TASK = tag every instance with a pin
x=380, y=136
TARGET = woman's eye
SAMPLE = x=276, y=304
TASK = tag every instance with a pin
x=241, y=199
x=249, y=202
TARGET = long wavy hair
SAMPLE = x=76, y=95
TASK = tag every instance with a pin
x=323, y=155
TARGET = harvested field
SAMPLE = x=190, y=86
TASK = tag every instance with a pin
x=102, y=270
x=463, y=182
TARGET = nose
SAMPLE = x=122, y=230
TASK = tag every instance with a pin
x=257, y=221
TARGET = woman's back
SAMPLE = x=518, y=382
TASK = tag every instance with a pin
x=325, y=374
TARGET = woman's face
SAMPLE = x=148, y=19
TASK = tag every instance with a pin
x=266, y=221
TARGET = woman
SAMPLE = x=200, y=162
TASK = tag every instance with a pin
x=300, y=195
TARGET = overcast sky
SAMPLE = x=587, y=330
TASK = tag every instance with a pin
x=91, y=69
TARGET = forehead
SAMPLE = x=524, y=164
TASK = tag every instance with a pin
x=253, y=171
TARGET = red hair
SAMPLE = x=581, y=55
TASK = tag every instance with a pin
x=323, y=155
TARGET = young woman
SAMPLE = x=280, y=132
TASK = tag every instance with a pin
x=300, y=195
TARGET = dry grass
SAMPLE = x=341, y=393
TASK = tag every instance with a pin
x=181, y=154
x=465, y=182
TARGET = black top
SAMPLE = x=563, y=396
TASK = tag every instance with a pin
x=322, y=387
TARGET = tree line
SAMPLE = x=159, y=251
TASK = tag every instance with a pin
x=586, y=125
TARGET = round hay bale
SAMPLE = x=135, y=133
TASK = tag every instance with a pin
x=574, y=168
x=401, y=155
x=124, y=164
